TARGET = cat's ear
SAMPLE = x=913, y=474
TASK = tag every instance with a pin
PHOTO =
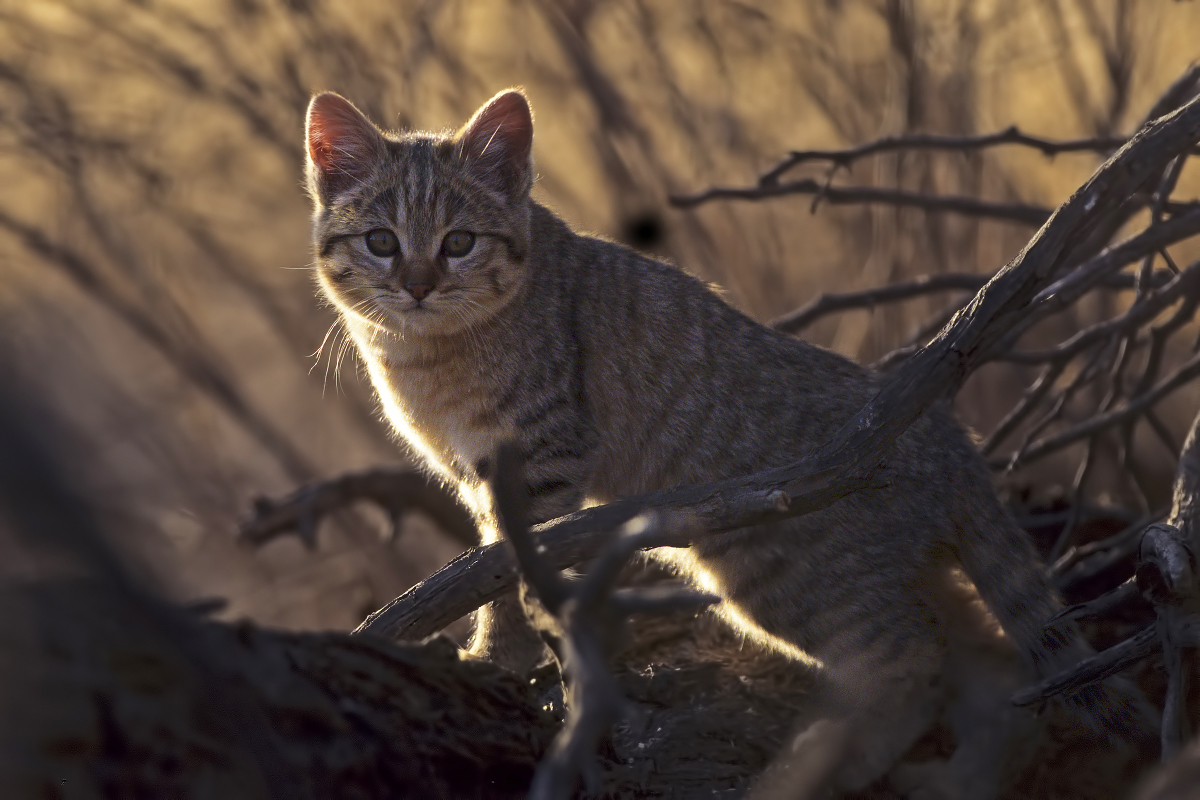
x=344, y=147
x=496, y=144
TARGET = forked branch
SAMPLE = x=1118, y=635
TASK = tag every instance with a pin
x=1166, y=577
x=1023, y=213
x=396, y=491
x=586, y=620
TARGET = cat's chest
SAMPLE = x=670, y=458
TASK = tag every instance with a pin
x=443, y=404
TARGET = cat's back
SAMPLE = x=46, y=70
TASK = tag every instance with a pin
x=684, y=387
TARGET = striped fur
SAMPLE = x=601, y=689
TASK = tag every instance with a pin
x=618, y=375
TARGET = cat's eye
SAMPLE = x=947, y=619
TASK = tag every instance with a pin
x=458, y=243
x=382, y=242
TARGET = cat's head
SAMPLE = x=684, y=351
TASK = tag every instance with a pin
x=420, y=233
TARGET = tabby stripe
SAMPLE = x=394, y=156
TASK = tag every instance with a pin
x=531, y=418
x=547, y=487
x=386, y=203
x=563, y=452
x=327, y=244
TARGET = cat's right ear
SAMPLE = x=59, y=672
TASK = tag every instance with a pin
x=343, y=147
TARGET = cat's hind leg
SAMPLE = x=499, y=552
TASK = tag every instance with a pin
x=994, y=739
x=866, y=714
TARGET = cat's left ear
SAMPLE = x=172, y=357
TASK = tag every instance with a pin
x=496, y=144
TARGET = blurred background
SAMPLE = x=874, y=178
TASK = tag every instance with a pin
x=155, y=286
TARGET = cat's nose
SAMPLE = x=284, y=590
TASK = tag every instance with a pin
x=418, y=290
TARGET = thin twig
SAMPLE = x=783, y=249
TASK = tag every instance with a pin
x=1186, y=284
x=795, y=321
x=929, y=141
x=1023, y=213
x=1085, y=561
x=801, y=318
x=1081, y=278
x=1136, y=405
x=1106, y=603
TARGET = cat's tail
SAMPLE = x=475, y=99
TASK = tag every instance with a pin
x=999, y=559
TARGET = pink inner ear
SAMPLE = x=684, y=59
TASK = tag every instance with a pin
x=341, y=142
x=497, y=141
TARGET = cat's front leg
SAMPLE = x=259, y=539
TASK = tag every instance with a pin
x=554, y=475
x=503, y=632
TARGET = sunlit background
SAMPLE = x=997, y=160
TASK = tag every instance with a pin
x=154, y=253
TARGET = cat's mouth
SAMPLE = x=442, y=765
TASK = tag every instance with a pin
x=401, y=303
x=403, y=311
x=414, y=308
x=441, y=311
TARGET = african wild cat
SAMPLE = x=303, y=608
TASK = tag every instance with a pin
x=481, y=318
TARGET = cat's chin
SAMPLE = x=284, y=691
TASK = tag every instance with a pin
x=425, y=320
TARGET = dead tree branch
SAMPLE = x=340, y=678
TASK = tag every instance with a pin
x=769, y=185
x=1078, y=563
x=1117, y=365
x=1120, y=361
x=801, y=318
x=587, y=621
x=1166, y=577
x=1023, y=213
x=396, y=491
x=847, y=461
x=926, y=141
x=1136, y=405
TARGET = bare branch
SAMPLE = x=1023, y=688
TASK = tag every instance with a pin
x=1165, y=576
x=795, y=321
x=1175, y=632
x=929, y=141
x=1136, y=405
x=394, y=490
x=1185, y=499
x=512, y=512
x=1084, y=561
x=1145, y=309
x=801, y=318
x=1090, y=670
x=1166, y=568
x=1106, y=603
x=587, y=623
x=1023, y=213
x=1083, y=277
